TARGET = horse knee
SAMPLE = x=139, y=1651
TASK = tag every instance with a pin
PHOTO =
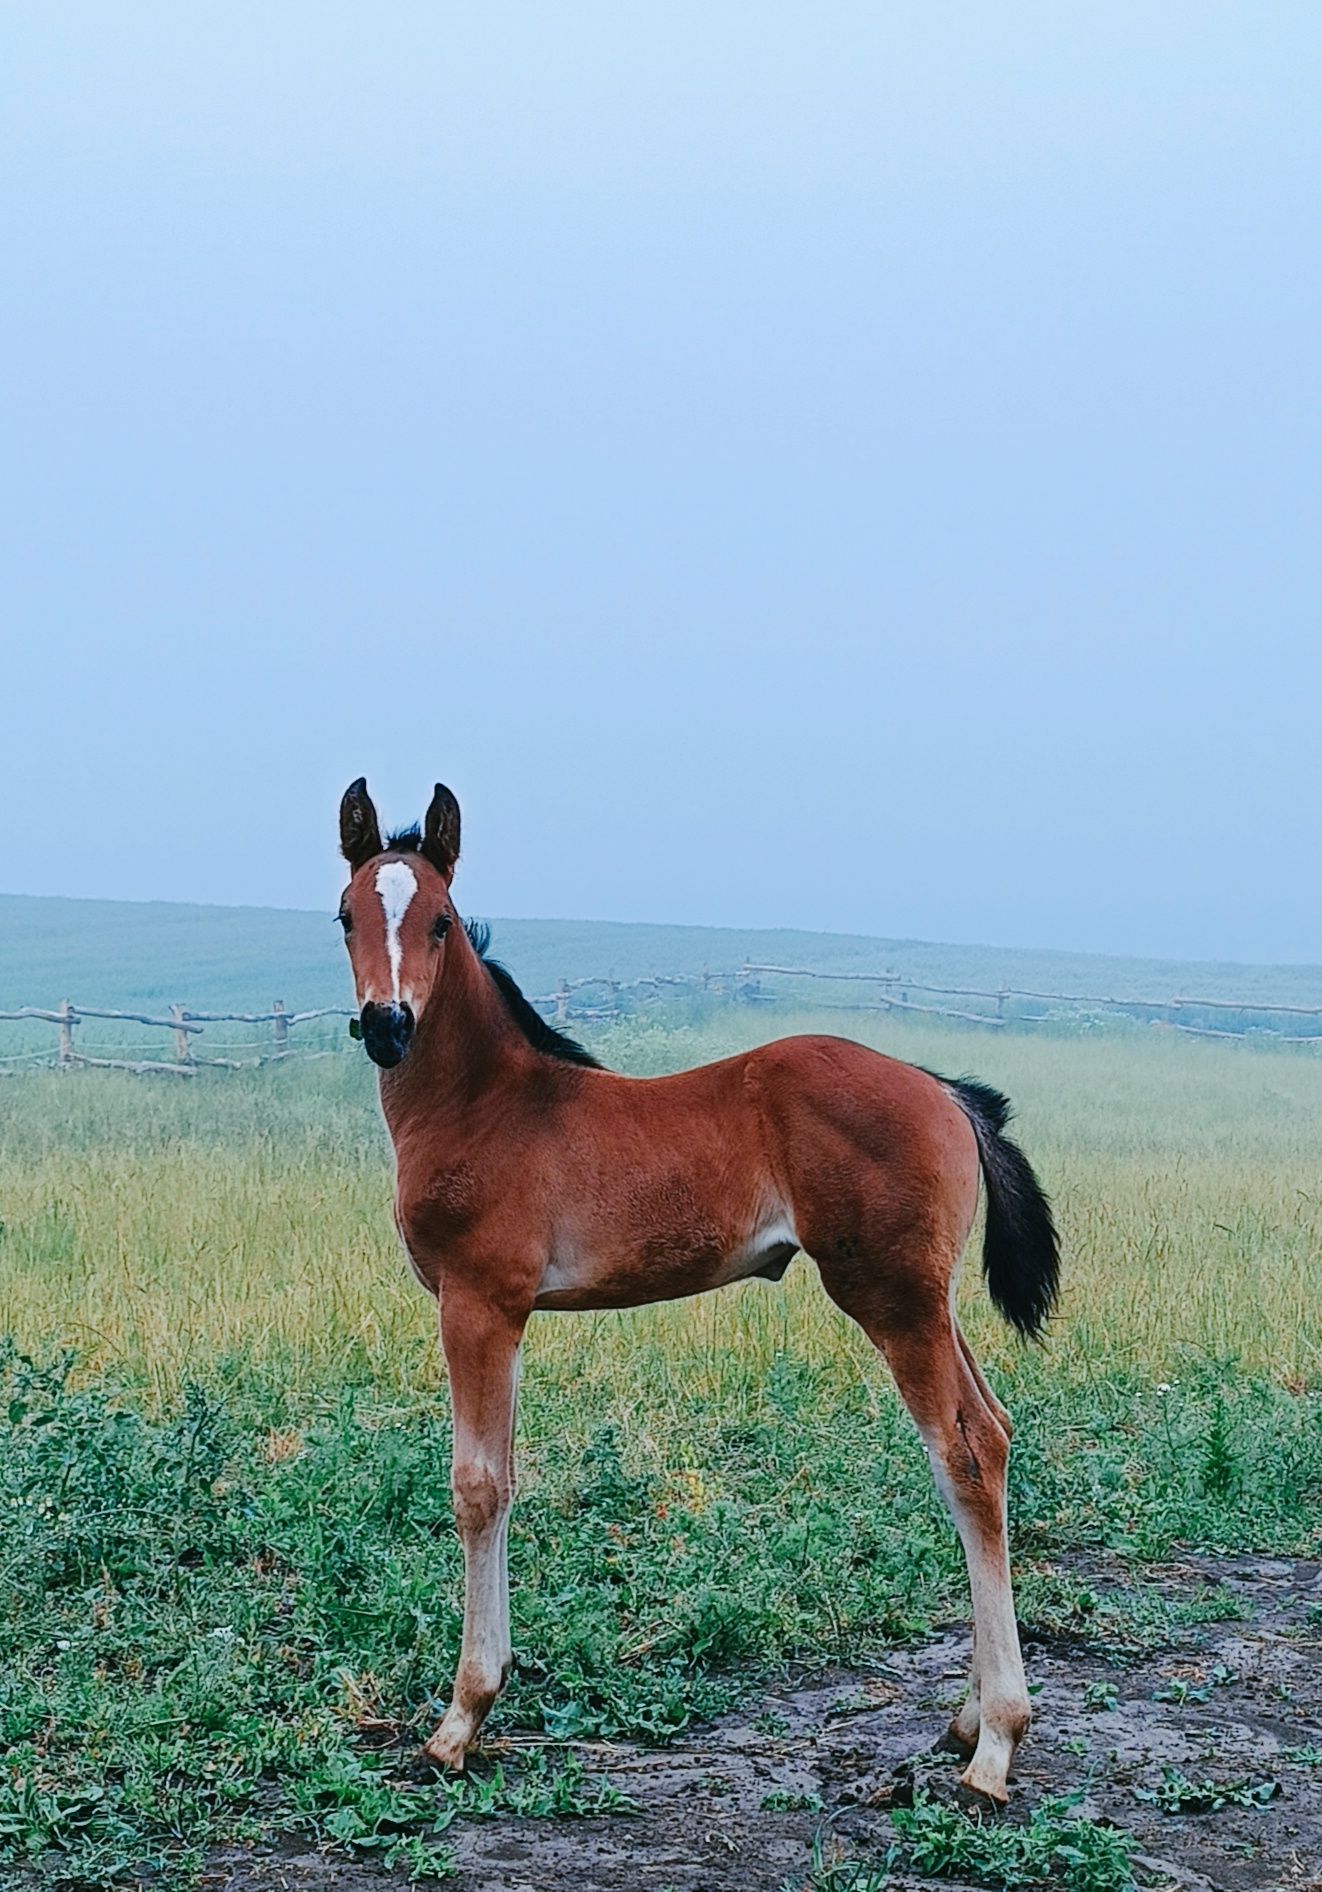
x=481, y=1497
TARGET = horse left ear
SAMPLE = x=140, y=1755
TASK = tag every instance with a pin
x=440, y=831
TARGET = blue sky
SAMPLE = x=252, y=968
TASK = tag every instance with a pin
x=835, y=465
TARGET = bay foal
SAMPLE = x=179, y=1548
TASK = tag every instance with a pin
x=528, y=1177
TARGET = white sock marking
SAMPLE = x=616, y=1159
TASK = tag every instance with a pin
x=396, y=885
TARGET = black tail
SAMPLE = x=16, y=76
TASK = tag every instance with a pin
x=1020, y=1249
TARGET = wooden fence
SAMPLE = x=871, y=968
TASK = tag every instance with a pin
x=599, y=1000
x=893, y=991
x=185, y=1025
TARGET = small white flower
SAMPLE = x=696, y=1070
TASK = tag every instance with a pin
x=223, y=1634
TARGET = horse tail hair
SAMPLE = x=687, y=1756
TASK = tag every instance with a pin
x=1020, y=1248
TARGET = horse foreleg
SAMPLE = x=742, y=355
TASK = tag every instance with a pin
x=482, y=1352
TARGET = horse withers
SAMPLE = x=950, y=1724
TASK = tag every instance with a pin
x=527, y=1177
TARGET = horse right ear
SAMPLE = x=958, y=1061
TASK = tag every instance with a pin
x=360, y=831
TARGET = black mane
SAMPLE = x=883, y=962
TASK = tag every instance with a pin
x=541, y=1036
x=404, y=840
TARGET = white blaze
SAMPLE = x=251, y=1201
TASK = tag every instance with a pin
x=396, y=885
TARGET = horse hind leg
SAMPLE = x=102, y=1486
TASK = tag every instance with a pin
x=968, y=1447
x=962, y=1735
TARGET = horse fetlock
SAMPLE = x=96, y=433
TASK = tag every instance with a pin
x=476, y=1687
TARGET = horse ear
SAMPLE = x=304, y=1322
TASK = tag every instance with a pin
x=440, y=831
x=360, y=831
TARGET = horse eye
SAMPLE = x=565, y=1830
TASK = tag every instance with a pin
x=345, y=919
x=440, y=926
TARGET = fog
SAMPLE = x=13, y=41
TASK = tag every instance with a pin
x=849, y=467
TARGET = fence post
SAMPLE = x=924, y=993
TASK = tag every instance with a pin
x=562, y=1002
x=183, y=1050
x=279, y=1027
x=68, y=1018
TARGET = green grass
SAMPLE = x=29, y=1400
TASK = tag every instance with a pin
x=228, y=1557
x=1051, y=1848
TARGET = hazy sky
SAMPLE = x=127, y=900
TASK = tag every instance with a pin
x=842, y=465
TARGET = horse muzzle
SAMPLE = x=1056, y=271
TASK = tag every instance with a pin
x=386, y=1032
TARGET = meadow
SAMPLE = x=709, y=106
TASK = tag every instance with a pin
x=229, y=1581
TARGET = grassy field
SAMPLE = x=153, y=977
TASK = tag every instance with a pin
x=228, y=1556
x=241, y=1224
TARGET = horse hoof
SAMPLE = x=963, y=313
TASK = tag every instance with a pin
x=443, y=1754
x=981, y=1796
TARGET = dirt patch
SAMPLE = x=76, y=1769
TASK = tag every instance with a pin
x=740, y=1806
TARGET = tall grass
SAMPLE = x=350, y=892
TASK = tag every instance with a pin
x=241, y=1226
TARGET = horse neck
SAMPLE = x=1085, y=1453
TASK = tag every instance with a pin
x=467, y=1047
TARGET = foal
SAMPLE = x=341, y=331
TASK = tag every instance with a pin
x=528, y=1177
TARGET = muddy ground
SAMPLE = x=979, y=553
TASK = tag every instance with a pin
x=1237, y=1703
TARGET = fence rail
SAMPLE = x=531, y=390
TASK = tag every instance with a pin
x=1022, y=992
x=591, y=1000
x=896, y=987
